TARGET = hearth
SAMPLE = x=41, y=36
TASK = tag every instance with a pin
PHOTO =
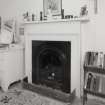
x=51, y=64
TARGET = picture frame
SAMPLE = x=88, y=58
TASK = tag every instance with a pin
x=54, y=6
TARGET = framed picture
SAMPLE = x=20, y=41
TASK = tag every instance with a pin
x=52, y=6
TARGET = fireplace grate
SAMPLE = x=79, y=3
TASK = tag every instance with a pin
x=51, y=64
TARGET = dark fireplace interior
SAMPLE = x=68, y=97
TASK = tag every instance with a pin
x=51, y=64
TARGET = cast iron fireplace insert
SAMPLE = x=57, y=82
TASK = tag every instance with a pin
x=51, y=64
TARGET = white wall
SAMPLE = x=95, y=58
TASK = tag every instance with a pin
x=93, y=34
x=18, y=7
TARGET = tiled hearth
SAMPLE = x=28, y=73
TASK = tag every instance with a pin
x=55, y=31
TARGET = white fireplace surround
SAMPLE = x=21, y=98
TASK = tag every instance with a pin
x=55, y=31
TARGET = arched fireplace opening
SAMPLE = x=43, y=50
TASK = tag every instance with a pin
x=51, y=64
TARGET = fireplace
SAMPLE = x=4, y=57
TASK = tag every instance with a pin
x=51, y=64
x=52, y=56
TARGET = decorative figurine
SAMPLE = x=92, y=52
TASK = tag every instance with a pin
x=26, y=16
x=62, y=13
x=41, y=17
x=84, y=11
x=33, y=17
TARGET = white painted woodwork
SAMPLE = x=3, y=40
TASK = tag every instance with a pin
x=11, y=65
x=55, y=31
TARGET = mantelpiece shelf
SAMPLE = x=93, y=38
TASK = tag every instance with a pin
x=58, y=20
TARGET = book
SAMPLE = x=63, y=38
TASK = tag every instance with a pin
x=86, y=78
x=86, y=59
x=96, y=83
x=91, y=85
x=104, y=62
x=103, y=85
x=95, y=59
x=100, y=85
x=90, y=76
x=100, y=60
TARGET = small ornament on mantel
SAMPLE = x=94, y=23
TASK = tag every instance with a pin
x=26, y=16
x=95, y=6
x=49, y=15
x=41, y=15
x=84, y=11
x=62, y=14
